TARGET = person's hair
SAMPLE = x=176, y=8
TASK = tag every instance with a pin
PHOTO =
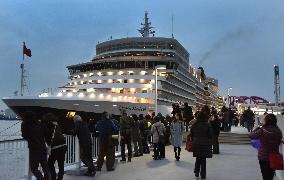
x=134, y=116
x=185, y=104
x=206, y=109
x=156, y=119
x=196, y=114
x=49, y=117
x=141, y=116
x=29, y=116
x=179, y=116
x=123, y=112
x=104, y=115
x=202, y=116
x=270, y=120
x=147, y=117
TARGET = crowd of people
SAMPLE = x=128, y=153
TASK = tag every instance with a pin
x=137, y=133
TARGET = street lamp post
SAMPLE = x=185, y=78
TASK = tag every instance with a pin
x=228, y=95
x=159, y=67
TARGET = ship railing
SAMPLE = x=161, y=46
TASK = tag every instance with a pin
x=14, y=156
x=72, y=156
x=14, y=159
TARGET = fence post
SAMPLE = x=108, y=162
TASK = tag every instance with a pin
x=77, y=153
x=28, y=173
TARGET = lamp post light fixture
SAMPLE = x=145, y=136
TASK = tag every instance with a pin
x=159, y=67
x=228, y=95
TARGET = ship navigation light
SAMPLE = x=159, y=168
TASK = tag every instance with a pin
x=59, y=94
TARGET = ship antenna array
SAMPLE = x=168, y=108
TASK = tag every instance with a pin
x=172, y=26
x=146, y=29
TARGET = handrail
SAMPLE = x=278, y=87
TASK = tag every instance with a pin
x=12, y=140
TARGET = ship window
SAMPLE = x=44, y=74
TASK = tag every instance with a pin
x=125, y=80
x=121, y=91
x=144, y=91
x=70, y=114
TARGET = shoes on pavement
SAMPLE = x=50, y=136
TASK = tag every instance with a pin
x=123, y=160
x=111, y=169
x=90, y=173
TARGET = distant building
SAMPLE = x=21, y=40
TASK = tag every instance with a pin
x=9, y=113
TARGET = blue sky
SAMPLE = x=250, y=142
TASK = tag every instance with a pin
x=241, y=40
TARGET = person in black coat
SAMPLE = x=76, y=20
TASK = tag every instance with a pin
x=32, y=131
x=201, y=134
x=83, y=133
x=57, y=143
x=187, y=115
x=145, y=132
x=215, y=125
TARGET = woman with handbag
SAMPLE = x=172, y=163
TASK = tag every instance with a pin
x=177, y=130
x=157, y=131
x=270, y=138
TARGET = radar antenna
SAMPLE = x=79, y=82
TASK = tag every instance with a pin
x=146, y=29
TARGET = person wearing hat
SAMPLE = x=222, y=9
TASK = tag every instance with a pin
x=83, y=133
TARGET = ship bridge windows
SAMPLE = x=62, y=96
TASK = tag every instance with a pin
x=117, y=65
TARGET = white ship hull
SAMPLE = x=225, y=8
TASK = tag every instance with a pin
x=22, y=104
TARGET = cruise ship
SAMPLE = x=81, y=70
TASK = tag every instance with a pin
x=124, y=75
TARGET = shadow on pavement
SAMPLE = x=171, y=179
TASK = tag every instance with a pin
x=157, y=163
x=184, y=164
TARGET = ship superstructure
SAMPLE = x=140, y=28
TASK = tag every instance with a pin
x=121, y=76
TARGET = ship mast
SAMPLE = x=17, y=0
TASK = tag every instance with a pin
x=146, y=29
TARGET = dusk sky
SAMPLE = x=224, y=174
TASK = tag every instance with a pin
x=237, y=41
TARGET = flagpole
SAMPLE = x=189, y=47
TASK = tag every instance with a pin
x=22, y=72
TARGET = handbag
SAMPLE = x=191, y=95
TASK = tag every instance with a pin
x=161, y=137
x=276, y=161
x=256, y=143
x=188, y=145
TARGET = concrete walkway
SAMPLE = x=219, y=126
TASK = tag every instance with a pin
x=236, y=162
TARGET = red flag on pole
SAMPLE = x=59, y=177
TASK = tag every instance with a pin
x=27, y=51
